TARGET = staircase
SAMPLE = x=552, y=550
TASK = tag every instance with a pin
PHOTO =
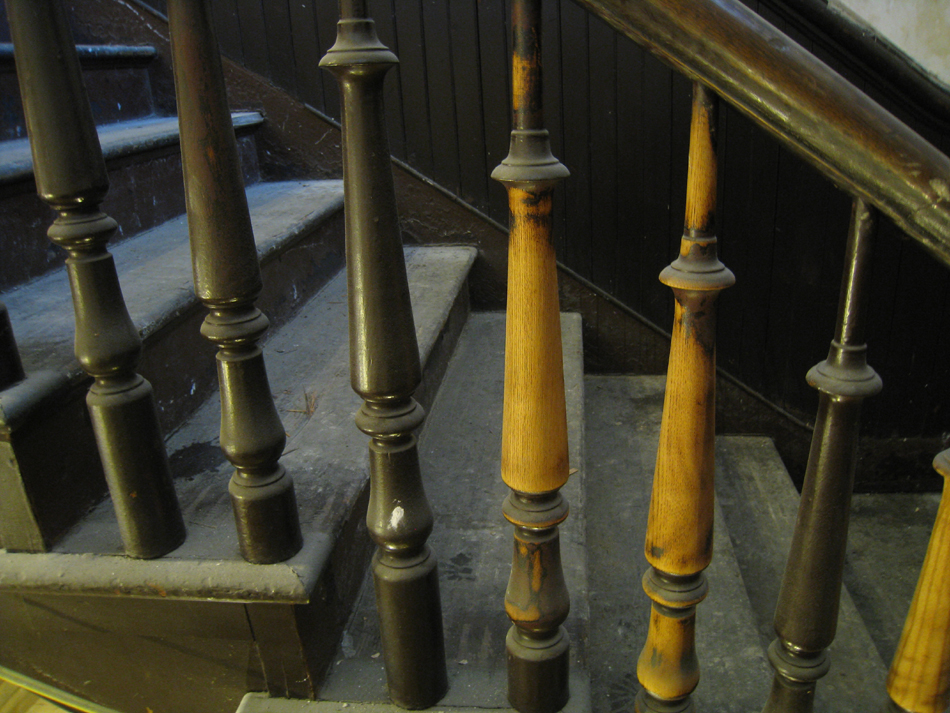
x=200, y=629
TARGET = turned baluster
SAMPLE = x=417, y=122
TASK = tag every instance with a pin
x=385, y=372
x=534, y=457
x=11, y=368
x=806, y=616
x=228, y=280
x=680, y=524
x=919, y=679
x=71, y=177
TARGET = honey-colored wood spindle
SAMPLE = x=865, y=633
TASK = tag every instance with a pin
x=919, y=679
x=680, y=524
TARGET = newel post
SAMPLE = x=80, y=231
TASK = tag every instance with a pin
x=534, y=458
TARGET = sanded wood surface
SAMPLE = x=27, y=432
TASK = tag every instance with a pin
x=534, y=455
x=919, y=679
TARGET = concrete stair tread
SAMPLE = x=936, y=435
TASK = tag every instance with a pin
x=756, y=510
x=121, y=139
x=155, y=272
x=114, y=54
x=460, y=452
x=307, y=361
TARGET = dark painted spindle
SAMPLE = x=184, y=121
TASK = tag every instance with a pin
x=228, y=280
x=806, y=616
x=71, y=177
x=919, y=679
x=534, y=459
x=385, y=372
x=680, y=525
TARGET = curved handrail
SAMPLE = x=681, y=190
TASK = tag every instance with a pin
x=810, y=108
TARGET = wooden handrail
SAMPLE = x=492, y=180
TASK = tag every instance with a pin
x=807, y=106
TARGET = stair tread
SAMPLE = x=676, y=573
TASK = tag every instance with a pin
x=460, y=452
x=325, y=455
x=97, y=53
x=119, y=139
x=155, y=272
x=756, y=510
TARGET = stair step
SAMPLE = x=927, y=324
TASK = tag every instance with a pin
x=298, y=228
x=201, y=613
x=117, y=140
x=144, y=165
x=756, y=509
x=460, y=452
x=116, y=79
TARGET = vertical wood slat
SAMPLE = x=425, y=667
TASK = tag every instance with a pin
x=412, y=77
x=383, y=15
x=473, y=168
x=250, y=15
x=493, y=52
x=279, y=44
x=443, y=127
x=306, y=47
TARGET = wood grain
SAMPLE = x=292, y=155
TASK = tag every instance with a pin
x=534, y=440
x=919, y=678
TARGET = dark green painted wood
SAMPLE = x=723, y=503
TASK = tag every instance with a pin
x=280, y=44
x=303, y=27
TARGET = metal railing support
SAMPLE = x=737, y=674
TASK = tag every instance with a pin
x=71, y=177
x=228, y=280
x=806, y=615
x=385, y=371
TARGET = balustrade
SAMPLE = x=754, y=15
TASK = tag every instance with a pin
x=680, y=525
x=806, y=616
x=71, y=178
x=534, y=456
x=919, y=679
x=385, y=371
x=228, y=280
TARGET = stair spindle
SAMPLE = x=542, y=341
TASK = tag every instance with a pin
x=228, y=280
x=534, y=457
x=680, y=524
x=71, y=177
x=806, y=616
x=385, y=371
x=919, y=679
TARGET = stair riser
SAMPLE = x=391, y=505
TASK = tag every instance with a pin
x=116, y=93
x=145, y=191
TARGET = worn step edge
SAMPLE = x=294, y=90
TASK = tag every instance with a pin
x=357, y=681
x=182, y=575
x=90, y=55
x=125, y=138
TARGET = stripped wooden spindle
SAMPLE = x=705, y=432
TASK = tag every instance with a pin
x=385, y=371
x=534, y=457
x=680, y=525
x=806, y=615
x=228, y=280
x=919, y=679
x=71, y=177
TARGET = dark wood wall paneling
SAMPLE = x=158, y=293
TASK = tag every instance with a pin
x=619, y=119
